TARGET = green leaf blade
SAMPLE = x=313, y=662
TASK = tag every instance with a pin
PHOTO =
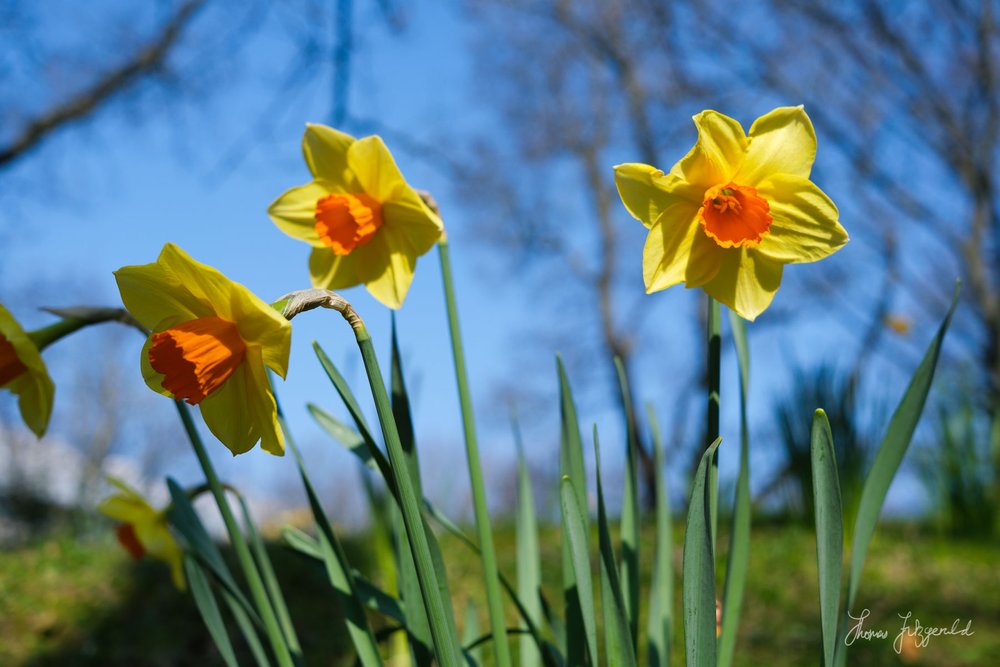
x=699, y=569
x=659, y=628
x=829, y=531
x=891, y=452
x=619, y=647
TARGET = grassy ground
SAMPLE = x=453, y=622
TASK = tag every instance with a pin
x=63, y=602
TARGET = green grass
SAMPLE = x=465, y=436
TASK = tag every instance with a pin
x=85, y=603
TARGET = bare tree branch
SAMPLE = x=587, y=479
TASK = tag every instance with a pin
x=115, y=82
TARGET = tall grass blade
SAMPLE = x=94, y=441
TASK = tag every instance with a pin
x=618, y=646
x=829, y=531
x=183, y=517
x=428, y=564
x=402, y=417
x=346, y=395
x=251, y=573
x=890, y=453
x=271, y=584
x=571, y=466
x=630, y=512
x=887, y=460
x=247, y=629
x=739, y=542
x=470, y=634
x=699, y=569
x=401, y=411
x=579, y=549
x=209, y=610
x=418, y=627
x=337, y=430
x=494, y=602
x=371, y=456
x=338, y=569
x=659, y=625
x=551, y=655
x=529, y=566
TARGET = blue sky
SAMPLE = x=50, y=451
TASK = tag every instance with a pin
x=115, y=192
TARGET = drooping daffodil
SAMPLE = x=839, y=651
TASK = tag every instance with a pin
x=23, y=372
x=366, y=225
x=735, y=210
x=211, y=343
x=143, y=530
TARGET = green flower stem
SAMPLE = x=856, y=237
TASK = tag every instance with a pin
x=445, y=644
x=260, y=552
x=74, y=319
x=712, y=413
x=445, y=640
x=239, y=543
x=490, y=572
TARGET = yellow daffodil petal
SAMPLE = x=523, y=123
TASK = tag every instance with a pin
x=746, y=282
x=155, y=536
x=781, y=142
x=125, y=489
x=718, y=153
x=176, y=563
x=325, y=150
x=385, y=265
x=229, y=415
x=153, y=378
x=156, y=298
x=149, y=526
x=386, y=269
x=262, y=404
x=805, y=227
x=34, y=388
x=35, y=393
x=410, y=217
x=257, y=322
x=127, y=506
x=294, y=212
x=262, y=326
x=201, y=281
x=646, y=191
x=677, y=251
x=124, y=509
x=376, y=170
x=330, y=271
x=373, y=225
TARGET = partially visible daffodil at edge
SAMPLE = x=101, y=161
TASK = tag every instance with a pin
x=23, y=372
x=142, y=529
x=366, y=225
x=211, y=343
x=734, y=210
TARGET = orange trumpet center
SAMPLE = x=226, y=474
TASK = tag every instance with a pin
x=128, y=539
x=10, y=364
x=344, y=222
x=196, y=357
x=735, y=216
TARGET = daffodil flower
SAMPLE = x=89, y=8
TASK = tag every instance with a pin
x=23, y=372
x=211, y=343
x=143, y=530
x=365, y=223
x=735, y=210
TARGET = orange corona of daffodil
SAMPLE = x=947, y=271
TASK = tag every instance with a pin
x=142, y=530
x=365, y=223
x=211, y=343
x=735, y=210
x=23, y=372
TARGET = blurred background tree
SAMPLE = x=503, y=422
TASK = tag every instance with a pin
x=904, y=97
